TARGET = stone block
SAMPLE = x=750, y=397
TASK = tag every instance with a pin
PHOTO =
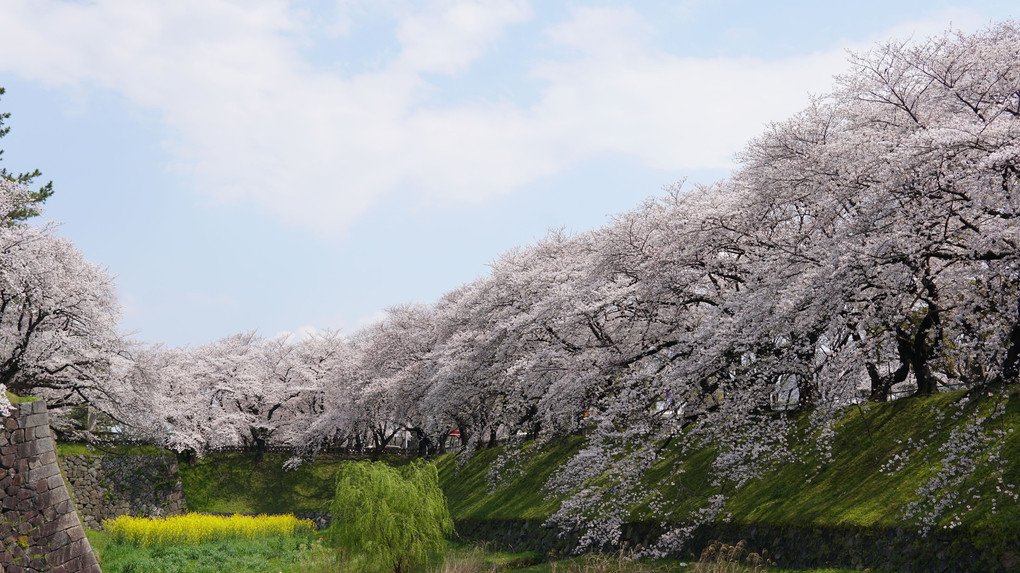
x=43, y=472
x=64, y=507
x=48, y=456
x=11, y=424
x=36, y=420
x=27, y=451
x=61, y=538
x=55, y=481
x=63, y=555
x=46, y=445
x=52, y=497
x=38, y=486
x=37, y=521
x=61, y=523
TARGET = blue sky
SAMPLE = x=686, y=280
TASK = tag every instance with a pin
x=289, y=166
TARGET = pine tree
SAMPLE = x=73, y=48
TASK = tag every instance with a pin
x=35, y=198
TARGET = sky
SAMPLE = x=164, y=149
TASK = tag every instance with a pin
x=288, y=167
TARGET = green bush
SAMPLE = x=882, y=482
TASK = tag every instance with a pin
x=387, y=518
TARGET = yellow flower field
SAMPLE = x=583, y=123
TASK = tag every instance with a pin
x=195, y=528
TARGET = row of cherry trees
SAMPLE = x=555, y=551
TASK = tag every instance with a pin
x=869, y=241
x=866, y=245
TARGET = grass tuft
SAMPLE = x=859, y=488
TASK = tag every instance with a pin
x=15, y=399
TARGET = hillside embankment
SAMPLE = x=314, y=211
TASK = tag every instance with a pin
x=923, y=484
x=918, y=484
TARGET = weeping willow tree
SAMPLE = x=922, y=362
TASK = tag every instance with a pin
x=388, y=518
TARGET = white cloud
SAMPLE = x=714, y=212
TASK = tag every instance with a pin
x=453, y=34
x=253, y=121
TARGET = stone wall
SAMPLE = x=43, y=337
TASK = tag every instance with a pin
x=105, y=487
x=788, y=547
x=39, y=527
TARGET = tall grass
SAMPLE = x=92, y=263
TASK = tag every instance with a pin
x=195, y=528
x=722, y=558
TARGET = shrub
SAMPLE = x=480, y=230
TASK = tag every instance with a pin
x=388, y=518
x=195, y=528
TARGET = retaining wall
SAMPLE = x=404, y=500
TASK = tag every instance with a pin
x=39, y=527
x=108, y=486
x=789, y=547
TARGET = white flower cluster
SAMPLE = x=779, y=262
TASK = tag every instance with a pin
x=968, y=448
x=5, y=404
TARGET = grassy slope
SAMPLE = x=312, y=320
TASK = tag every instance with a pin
x=846, y=491
x=240, y=483
x=850, y=490
x=467, y=487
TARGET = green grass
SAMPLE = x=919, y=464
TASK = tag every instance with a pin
x=851, y=491
x=241, y=483
x=15, y=399
x=271, y=555
x=309, y=554
x=79, y=449
x=487, y=559
x=466, y=487
x=848, y=491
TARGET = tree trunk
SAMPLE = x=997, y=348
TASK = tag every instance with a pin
x=1011, y=365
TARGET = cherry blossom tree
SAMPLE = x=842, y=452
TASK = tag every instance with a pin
x=871, y=241
x=58, y=313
